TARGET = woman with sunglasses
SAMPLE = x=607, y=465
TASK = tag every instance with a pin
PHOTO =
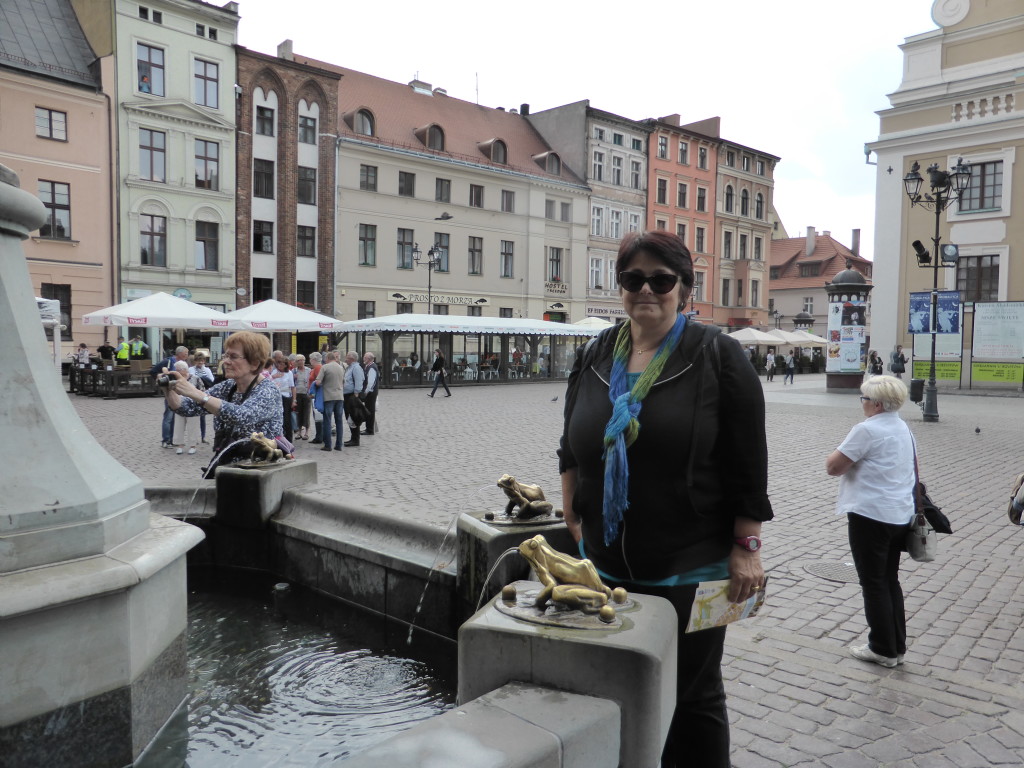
x=665, y=471
x=244, y=403
x=876, y=469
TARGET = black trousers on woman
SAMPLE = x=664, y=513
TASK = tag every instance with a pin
x=876, y=549
x=286, y=409
x=699, y=734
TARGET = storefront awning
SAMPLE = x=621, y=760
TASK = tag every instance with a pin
x=410, y=323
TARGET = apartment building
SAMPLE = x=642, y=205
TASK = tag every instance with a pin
x=611, y=152
x=56, y=136
x=744, y=186
x=681, y=200
x=422, y=174
x=169, y=66
x=285, y=205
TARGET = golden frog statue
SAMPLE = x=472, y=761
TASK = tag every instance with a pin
x=264, y=448
x=529, y=498
x=566, y=580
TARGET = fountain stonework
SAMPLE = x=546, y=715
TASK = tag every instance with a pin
x=92, y=583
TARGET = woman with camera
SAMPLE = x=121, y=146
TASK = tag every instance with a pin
x=243, y=403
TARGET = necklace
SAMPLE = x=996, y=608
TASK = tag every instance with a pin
x=639, y=351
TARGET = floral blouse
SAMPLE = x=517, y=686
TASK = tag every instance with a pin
x=239, y=415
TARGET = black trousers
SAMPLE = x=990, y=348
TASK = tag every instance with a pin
x=699, y=734
x=370, y=401
x=876, y=549
x=286, y=408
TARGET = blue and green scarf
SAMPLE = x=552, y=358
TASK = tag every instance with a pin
x=623, y=428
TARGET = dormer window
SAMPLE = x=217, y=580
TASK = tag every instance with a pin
x=363, y=124
x=499, y=152
x=550, y=162
x=435, y=138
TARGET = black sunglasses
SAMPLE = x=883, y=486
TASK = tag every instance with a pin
x=660, y=283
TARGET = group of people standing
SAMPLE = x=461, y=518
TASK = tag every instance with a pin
x=263, y=392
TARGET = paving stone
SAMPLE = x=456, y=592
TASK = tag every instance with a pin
x=965, y=611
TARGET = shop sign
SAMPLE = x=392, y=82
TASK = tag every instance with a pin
x=556, y=288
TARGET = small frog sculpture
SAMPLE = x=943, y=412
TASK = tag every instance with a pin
x=529, y=498
x=566, y=580
x=264, y=448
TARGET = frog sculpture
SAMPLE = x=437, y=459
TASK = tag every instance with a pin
x=566, y=580
x=264, y=449
x=529, y=498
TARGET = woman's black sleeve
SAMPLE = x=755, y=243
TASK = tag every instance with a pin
x=742, y=438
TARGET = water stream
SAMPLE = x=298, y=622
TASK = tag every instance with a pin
x=283, y=677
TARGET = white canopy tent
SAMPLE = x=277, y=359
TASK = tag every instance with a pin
x=808, y=339
x=272, y=315
x=411, y=323
x=753, y=336
x=159, y=310
x=788, y=337
x=594, y=323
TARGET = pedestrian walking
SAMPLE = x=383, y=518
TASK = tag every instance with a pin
x=790, y=367
x=769, y=365
x=898, y=362
x=439, y=374
x=877, y=479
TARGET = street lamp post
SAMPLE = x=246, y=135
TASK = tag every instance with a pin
x=946, y=187
x=431, y=262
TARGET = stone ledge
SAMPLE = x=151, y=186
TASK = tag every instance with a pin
x=48, y=586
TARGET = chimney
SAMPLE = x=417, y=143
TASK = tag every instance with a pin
x=827, y=233
x=811, y=236
x=284, y=51
x=524, y=109
x=855, y=242
x=440, y=91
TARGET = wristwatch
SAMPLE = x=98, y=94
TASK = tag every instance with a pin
x=206, y=399
x=749, y=543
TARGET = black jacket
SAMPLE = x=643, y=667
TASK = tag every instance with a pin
x=438, y=364
x=700, y=460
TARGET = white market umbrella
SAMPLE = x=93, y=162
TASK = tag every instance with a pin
x=788, y=337
x=753, y=336
x=273, y=315
x=809, y=339
x=594, y=323
x=159, y=310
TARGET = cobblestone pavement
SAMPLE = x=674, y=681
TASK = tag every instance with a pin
x=795, y=695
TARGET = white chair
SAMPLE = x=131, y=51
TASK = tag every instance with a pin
x=469, y=374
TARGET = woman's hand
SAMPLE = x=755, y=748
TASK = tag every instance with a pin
x=745, y=573
x=181, y=387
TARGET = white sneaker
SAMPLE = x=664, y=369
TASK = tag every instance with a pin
x=191, y=450
x=864, y=653
x=179, y=451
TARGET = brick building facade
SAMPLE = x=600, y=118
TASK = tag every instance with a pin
x=287, y=115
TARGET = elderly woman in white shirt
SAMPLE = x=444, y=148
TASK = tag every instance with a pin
x=877, y=479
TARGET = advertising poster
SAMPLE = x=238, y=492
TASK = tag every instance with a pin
x=945, y=370
x=920, y=310
x=1000, y=373
x=999, y=330
x=947, y=312
x=947, y=346
x=846, y=336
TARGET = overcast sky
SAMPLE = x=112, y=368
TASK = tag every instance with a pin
x=800, y=79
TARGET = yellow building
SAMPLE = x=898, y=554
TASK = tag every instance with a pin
x=961, y=97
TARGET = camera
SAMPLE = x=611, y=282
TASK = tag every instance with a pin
x=163, y=380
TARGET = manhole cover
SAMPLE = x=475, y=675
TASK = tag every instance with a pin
x=844, y=572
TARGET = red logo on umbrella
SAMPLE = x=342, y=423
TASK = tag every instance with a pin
x=136, y=321
x=327, y=325
x=259, y=325
x=219, y=323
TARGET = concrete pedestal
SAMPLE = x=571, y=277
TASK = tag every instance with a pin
x=843, y=382
x=481, y=543
x=92, y=587
x=634, y=666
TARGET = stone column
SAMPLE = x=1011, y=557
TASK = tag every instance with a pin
x=92, y=585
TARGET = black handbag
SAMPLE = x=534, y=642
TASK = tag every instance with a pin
x=938, y=521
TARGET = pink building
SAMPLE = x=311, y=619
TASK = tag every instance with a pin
x=54, y=133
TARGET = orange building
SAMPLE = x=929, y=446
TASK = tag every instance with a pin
x=681, y=196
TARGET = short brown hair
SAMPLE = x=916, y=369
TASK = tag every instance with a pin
x=255, y=346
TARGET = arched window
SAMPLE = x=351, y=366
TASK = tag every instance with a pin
x=759, y=206
x=745, y=203
x=435, y=138
x=728, y=199
x=499, y=152
x=554, y=164
x=364, y=123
